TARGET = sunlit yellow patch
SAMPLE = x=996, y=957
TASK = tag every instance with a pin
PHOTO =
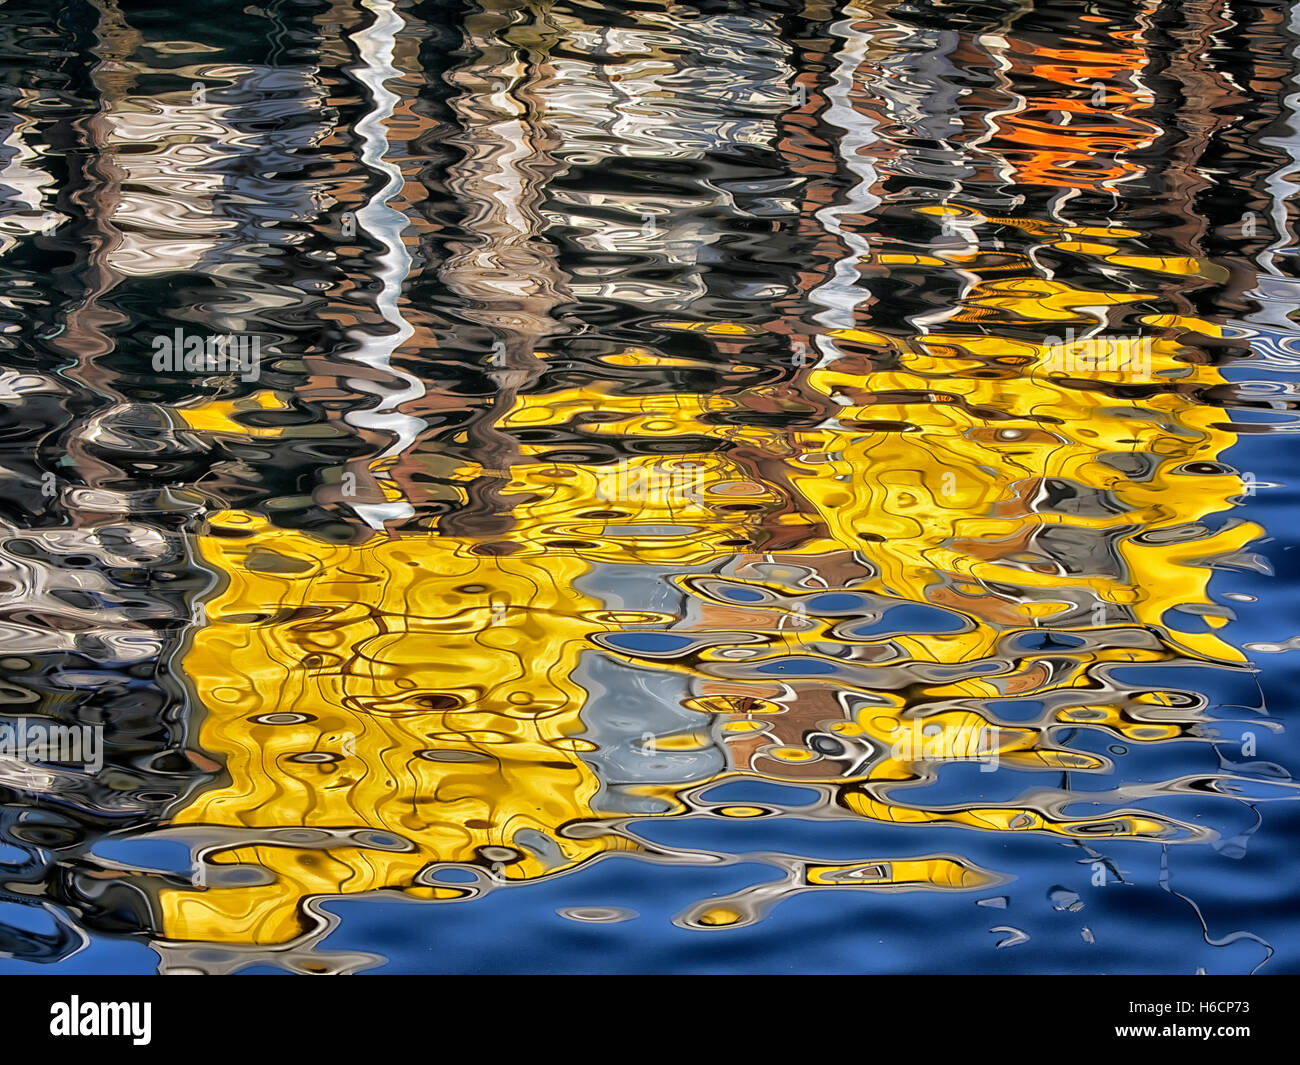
x=717, y=328
x=943, y=873
x=222, y=415
x=740, y=811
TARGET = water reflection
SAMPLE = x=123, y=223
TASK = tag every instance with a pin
x=838, y=401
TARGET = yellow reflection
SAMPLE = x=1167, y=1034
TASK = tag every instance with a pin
x=415, y=687
x=405, y=686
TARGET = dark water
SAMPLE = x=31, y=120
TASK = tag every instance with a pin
x=711, y=487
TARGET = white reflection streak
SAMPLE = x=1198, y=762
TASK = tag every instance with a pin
x=21, y=171
x=1275, y=291
x=375, y=45
x=843, y=292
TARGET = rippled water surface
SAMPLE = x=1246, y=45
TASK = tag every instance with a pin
x=714, y=487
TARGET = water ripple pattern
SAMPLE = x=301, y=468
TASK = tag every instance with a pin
x=708, y=487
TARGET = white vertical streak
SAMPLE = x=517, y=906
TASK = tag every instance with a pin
x=375, y=45
x=842, y=293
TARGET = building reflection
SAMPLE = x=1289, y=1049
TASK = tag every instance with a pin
x=704, y=425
